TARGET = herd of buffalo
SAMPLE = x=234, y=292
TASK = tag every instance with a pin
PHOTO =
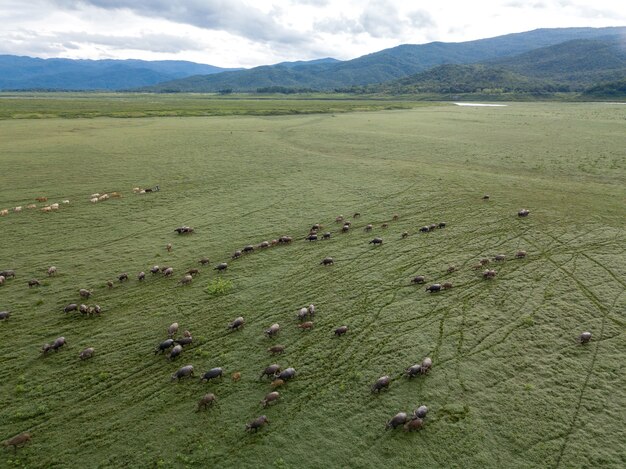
x=305, y=316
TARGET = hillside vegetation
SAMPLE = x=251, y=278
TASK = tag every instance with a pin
x=510, y=386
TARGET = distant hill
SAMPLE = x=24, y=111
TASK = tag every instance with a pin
x=580, y=63
x=20, y=73
x=385, y=65
x=569, y=66
x=456, y=79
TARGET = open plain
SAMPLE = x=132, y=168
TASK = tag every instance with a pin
x=510, y=384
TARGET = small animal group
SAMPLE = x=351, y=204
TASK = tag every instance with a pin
x=410, y=423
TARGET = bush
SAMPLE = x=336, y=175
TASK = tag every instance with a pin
x=219, y=286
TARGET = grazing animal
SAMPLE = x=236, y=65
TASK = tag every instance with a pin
x=155, y=269
x=141, y=276
x=381, y=383
x=368, y=228
x=484, y=261
x=435, y=287
x=122, y=277
x=169, y=247
x=446, y=286
x=8, y=273
x=277, y=383
x=311, y=309
x=184, y=340
x=311, y=237
x=405, y=235
x=395, y=217
x=584, y=338
x=109, y=284
x=212, y=374
x=424, y=229
x=31, y=206
x=270, y=371
x=247, y=249
x=273, y=330
x=441, y=224
x=327, y=261
x=264, y=244
x=287, y=374
x=87, y=353
x=93, y=200
x=271, y=397
x=58, y=343
x=206, y=401
x=426, y=365
x=193, y=271
x=499, y=257
x=257, y=423
x=222, y=266
x=163, y=346
x=376, y=241
x=186, y=280
x=341, y=330
x=486, y=197
x=237, y=323
x=70, y=307
x=176, y=351
x=326, y=235
x=285, y=239
x=2, y=279
x=451, y=269
x=520, y=254
x=84, y=293
x=236, y=254
x=4, y=315
x=169, y=271
x=54, y=206
x=356, y=215
x=523, y=213
x=96, y=309
x=17, y=209
x=84, y=309
x=420, y=412
x=52, y=270
x=33, y=283
x=339, y=219
x=172, y=329
x=302, y=314
x=413, y=425
x=4, y=212
x=308, y=325
x=184, y=230
x=204, y=261
x=396, y=420
x=345, y=228
x=41, y=199
x=183, y=372
x=236, y=376
x=418, y=279
x=385, y=225
x=276, y=349
x=489, y=273
x=316, y=227
x=432, y=226
x=412, y=371
x=18, y=440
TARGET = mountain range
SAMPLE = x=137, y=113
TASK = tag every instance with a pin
x=543, y=60
x=24, y=73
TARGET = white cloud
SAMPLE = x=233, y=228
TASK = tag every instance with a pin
x=234, y=33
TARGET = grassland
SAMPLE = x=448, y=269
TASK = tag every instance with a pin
x=25, y=105
x=509, y=387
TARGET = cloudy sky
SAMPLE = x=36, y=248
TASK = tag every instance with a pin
x=246, y=33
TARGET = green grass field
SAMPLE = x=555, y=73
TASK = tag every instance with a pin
x=509, y=387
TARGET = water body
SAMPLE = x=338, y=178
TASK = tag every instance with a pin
x=481, y=104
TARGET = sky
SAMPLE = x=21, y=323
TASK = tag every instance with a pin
x=247, y=33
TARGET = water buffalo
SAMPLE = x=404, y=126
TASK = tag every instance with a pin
x=273, y=330
x=221, y=266
x=33, y=283
x=237, y=323
x=420, y=412
x=270, y=371
x=87, y=353
x=271, y=397
x=276, y=349
x=584, y=338
x=257, y=423
x=70, y=307
x=212, y=374
x=435, y=287
x=414, y=424
x=376, y=241
x=206, y=401
x=176, y=351
x=183, y=372
x=327, y=261
x=287, y=374
x=4, y=315
x=418, y=279
x=396, y=420
x=163, y=346
x=204, y=261
x=381, y=383
x=341, y=330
